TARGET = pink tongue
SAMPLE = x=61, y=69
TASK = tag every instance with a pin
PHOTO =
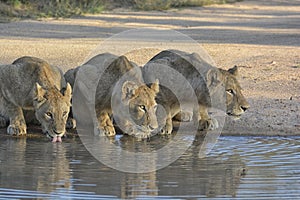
x=56, y=139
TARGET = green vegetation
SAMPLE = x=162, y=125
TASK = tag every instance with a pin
x=49, y=8
x=167, y=4
x=67, y=8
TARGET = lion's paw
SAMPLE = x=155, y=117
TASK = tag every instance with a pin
x=208, y=124
x=107, y=130
x=167, y=129
x=184, y=116
x=16, y=130
x=71, y=123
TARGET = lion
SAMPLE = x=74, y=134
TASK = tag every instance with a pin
x=188, y=75
x=31, y=84
x=122, y=99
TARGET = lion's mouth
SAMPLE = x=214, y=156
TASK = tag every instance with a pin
x=234, y=116
x=141, y=132
x=55, y=137
x=146, y=129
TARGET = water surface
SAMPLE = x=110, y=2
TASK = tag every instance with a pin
x=241, y=167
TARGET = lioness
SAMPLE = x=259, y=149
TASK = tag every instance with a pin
x=188, y=75
x=119, y=94
x=30, y=83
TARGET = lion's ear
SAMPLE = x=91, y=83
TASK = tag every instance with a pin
x=155, y=86
x=128, y=90
x=234, y=71
x=68, y=92
x=213, y=78
x=39, y=93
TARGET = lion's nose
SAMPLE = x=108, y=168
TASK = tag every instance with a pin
x=58, y=132
x=151, y=128
x=245, y=107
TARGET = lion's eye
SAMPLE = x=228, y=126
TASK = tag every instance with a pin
x=230, y=91
x=142, y=107
x=49, y=114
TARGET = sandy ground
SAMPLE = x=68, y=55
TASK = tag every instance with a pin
x=260, y=36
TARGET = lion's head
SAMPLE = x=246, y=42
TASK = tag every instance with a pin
x=51, y=110
x=142, y=105
x=235, y=101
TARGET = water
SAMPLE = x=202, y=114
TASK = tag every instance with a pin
x=240, y=167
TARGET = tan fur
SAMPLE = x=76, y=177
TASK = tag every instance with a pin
x=30, y=83
x=142, y=109
x=212, y=87
x=120, y=94
x=235, y=100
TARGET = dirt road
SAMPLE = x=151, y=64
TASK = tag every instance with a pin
x=260, y=36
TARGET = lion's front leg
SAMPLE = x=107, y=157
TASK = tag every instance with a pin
x=105, y=124
x=17, y=125
x=71, y=123
x=168, y=127
x=165, y=117
x=206, y=122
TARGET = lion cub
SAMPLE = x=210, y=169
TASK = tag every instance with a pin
x=30, y=83
x=115, y=86
x=183, y=76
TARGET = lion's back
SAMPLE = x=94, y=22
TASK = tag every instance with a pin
x=187, y=75
x=102, y=72
x=38, y=70
x=18, y=80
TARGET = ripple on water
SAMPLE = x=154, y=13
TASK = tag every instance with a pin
x=243, y=167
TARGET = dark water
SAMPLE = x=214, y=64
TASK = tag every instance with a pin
x=241, y=167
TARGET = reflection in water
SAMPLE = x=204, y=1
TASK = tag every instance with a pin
x=31, y=164
x=245, y=167
x=209, y=176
